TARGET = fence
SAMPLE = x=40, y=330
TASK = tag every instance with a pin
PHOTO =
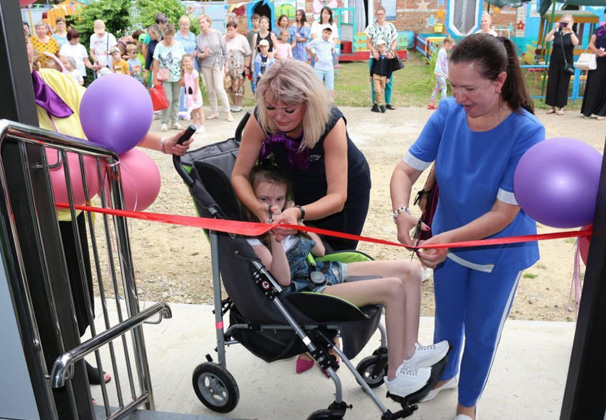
x=57, y=259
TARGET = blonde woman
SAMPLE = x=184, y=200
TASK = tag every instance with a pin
x=213, y=55
x=307, y=136
x=564, y=41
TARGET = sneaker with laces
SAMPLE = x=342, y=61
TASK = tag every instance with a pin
x=427, y=356
x=164, y=127
x=176, y=126
x=408, y=380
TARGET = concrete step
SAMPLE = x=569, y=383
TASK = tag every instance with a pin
x=160, y=415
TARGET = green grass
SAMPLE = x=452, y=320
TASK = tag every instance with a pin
x=530, y=276
x=412, y=86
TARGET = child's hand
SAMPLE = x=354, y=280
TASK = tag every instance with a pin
x=273, y=211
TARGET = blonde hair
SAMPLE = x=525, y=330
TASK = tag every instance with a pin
x=205, y=17
x=294, y=82
x=570, y=17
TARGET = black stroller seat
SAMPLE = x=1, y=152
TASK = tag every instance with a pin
x=267, y=323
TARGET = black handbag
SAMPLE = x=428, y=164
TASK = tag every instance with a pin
x=398, y=64
x=568, y=67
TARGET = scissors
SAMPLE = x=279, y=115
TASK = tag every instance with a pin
x=415, y=237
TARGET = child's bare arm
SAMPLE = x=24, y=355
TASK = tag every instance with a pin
x=274, y=264
x=279, y=267
x=319, y=250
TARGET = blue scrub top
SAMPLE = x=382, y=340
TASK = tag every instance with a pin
x=473, y=169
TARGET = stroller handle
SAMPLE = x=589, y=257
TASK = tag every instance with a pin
x=177, y=159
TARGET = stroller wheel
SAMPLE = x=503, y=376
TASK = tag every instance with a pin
x=215, y=387
x=327, y=414
x=372, y=369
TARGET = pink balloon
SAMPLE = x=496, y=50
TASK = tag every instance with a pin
x=24, y=3
x=584, y=244
x=59, y=184
x=141, y=180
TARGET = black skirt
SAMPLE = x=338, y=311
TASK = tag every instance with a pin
x=594, y=98
x=557, y=85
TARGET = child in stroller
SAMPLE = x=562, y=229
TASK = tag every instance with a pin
x=393, y=283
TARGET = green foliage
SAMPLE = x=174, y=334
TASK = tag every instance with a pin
x=173, y=9
x=115, y=14
x=530, y=276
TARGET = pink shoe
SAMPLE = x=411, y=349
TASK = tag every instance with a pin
x=432, y=106
x=303, y=365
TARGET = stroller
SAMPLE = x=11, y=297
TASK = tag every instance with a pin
x=267, y=323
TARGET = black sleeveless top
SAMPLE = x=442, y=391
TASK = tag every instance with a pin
x=558, y=53
x=267, y=38
x=310, y=184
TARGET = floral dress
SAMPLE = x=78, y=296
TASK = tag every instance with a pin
x=238, y=48
x=298, y=52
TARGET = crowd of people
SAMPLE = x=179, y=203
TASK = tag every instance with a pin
x=224, y=62
x=163, y=55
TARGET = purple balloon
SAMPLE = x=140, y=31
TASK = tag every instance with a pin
x=116, y=112
x=556, y=182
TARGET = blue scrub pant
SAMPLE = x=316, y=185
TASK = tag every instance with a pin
x=473, y=305
x=388, y=86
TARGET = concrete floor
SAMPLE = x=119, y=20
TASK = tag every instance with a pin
x=527, y=380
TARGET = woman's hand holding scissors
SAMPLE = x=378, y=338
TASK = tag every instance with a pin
x=432, y=257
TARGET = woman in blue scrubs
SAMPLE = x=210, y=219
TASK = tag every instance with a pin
x=476, y=139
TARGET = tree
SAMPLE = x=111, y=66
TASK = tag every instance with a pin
x=173, y=9
x=118, y=15
x=115, y=14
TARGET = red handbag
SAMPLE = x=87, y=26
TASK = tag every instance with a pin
x=158, y=97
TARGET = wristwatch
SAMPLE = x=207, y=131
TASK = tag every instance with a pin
x=397, y=212
x=302, y=210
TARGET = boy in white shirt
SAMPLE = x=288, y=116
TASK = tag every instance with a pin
x=321, y=51
x=441, y=72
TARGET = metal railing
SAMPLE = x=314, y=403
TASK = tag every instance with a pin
x=34, y=235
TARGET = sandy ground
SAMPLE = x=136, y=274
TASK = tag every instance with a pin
x=172, y=263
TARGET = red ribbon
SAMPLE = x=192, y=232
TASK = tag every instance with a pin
x=256, y=229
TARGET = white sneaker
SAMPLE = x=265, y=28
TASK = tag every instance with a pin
x=427, y=356
x=463, y=417
x=452, y=383
x=176, y=126
x=164, y=127
x=408, y=380
x=200, y=129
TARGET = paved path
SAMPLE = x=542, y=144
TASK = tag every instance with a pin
x=527, y=381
